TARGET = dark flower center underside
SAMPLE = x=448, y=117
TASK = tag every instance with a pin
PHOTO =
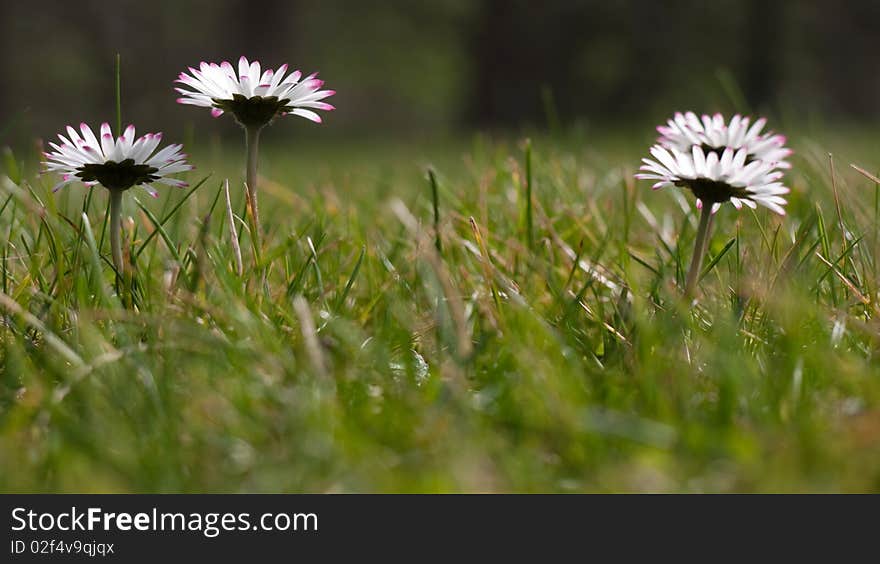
x=118, y=176
x=713, y=191
x=255, y=111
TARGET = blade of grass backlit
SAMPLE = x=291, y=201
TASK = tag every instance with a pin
x=435, y=201
x=118, y=94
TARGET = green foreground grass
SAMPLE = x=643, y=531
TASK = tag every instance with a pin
x=519, y=347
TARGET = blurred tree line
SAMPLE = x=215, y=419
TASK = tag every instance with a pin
x=447, y=64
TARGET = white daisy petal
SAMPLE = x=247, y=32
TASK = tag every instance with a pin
x=308, y=114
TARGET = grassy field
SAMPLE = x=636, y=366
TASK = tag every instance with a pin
x=517, y=347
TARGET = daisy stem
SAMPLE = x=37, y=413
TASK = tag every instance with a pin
x=252, y=142
x=116, y=229
x=701, y=244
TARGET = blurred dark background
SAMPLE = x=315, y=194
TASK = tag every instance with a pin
x=437, y=67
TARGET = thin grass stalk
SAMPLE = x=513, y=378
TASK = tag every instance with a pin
x=233, y=233
x=435, y=201
x=116, y=230
x=118, y=94
x=252, y=142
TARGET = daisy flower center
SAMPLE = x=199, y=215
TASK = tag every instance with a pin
x=713, y=191
x=255, y=111
x=118, y=175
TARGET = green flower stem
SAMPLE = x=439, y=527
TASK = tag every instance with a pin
x=252, y=142
x=116, y=229
x=701, y=244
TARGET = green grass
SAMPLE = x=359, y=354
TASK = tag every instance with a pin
x=528, y=346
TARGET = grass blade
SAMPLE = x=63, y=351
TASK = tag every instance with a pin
x=717, y=258
x=435, y=200
x=351, y=278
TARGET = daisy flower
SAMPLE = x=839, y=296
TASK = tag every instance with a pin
x=719, y=162
x=717, y=179
x=117, y=165
x=713, y=134
x=254, y=99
